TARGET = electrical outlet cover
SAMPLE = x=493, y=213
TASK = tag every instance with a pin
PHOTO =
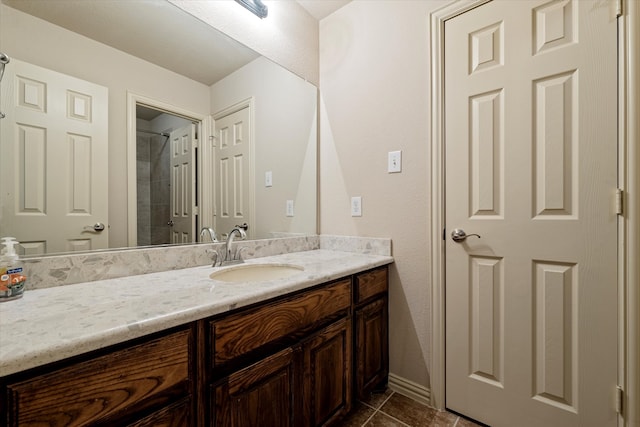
x=356, y=206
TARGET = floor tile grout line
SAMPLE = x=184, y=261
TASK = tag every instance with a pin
x=375, y=411
x=386, y=400
x=380, y=405
x=395, y=419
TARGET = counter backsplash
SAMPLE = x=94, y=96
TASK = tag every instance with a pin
x=58, y=270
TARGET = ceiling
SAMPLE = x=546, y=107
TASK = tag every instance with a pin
x=131, y=26
x=322, y=8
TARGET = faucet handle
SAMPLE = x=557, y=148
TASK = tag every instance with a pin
x=214, y=256
x=244, y=226
x=239, y=251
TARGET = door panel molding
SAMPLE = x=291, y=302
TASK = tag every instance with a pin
x=250, y=209
x=629, y=222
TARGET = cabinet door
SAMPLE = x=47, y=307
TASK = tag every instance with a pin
x=260, y=395
x=372, y=353
x=109, y=388
x=327, y=374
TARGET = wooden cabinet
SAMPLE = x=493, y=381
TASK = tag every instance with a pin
x=290, y=361
x=308, y=383
x=371, y=331
x=327, y=362
x=261, y=394
x=123, y=387
x=252, y=332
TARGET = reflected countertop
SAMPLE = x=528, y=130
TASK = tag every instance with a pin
x=48, y=325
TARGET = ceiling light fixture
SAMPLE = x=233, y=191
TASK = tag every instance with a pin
x=256, y=6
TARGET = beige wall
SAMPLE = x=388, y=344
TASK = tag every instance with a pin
x=41, y=43
x=288, y=36
x=374, y=83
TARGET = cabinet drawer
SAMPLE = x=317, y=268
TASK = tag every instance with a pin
x=106, y=387
x=243, y=332
x=176, y=415
x=371, y=283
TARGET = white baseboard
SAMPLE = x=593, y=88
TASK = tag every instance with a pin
x=410, y=389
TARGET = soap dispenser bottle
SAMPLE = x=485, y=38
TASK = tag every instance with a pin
x=12, y=280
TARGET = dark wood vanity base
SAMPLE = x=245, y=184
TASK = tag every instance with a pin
x=297, y=360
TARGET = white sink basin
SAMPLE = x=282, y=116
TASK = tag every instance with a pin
x=256, y=272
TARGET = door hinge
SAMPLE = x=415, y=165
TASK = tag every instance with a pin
x=619, y=202
x=619, y=399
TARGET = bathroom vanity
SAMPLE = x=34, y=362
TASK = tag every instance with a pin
x=287, y=352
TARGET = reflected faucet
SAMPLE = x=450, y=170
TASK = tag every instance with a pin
x=212, y=234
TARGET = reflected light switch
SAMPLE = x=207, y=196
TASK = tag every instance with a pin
x=268, y=179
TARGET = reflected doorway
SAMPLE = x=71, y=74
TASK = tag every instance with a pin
x=166, y=177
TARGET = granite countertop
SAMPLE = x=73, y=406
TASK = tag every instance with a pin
x=47, y=325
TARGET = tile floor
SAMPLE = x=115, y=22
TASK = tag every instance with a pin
x=391, y=409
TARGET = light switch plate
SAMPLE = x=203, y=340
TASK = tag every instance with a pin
x=356, y=206
x=395, y=162
x=289, y=207
x=268, y=179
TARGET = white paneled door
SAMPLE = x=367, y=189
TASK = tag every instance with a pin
x=530, y=125
x=233, y=160
x=183, y=184
x=54, y=191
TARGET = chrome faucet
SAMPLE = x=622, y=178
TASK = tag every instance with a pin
x=212, y=234
x=240, y=231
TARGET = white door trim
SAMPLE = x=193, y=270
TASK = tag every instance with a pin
x=132, y=193
x=629, y=140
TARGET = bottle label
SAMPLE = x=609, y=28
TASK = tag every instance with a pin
x=11, y=281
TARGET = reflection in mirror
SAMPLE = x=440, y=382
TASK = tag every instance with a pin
x=91, y=164
x=156, y=190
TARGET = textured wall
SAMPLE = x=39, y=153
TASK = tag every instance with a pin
x=374, y=83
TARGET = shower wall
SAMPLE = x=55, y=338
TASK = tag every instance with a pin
x=143, y=186
x=160, y=187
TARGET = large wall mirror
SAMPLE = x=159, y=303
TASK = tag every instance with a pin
x=133, y=123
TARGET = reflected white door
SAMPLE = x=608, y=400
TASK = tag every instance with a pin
x=530, y=124
x=53, y=160
x=233, y=178
x=183, y=184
